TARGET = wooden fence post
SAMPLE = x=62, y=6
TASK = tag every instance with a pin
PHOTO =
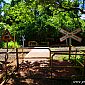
x=84, y=65
x=17, y=59
x=51, y=61
x=69, y=52
x=75, y=55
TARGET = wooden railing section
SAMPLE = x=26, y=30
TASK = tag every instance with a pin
x=20, y=52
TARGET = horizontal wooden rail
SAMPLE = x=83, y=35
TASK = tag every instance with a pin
x=34, y=57
x=12, y=52
x=64, y=51
x=57, y=53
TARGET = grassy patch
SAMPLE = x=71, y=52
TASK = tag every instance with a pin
x=72, y=58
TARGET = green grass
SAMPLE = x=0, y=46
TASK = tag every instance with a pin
x=66, y=57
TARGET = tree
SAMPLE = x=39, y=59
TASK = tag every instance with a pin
x=38, y=21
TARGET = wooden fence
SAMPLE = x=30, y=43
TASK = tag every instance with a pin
x=20, y=52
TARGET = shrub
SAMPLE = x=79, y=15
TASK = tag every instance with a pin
x=1, y=44
x=11, y=45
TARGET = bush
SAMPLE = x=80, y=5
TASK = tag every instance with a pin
x=1, y=44
x=11, y=45
x=79, y=58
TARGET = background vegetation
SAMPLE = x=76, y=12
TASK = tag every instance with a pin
x=40, y=20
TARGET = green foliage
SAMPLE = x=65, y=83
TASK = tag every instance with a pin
x=1, y=44
x=74, y=58
x=61, y=57
x=39, y=20
x=11, y=45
